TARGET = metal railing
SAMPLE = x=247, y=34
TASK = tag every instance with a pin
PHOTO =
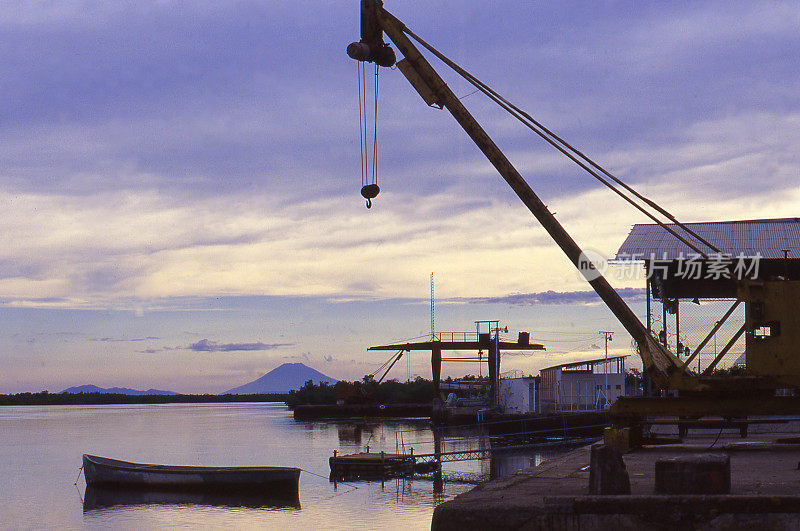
x=455, y=336
x=481, y=453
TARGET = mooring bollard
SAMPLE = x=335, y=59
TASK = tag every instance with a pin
x=607, y=472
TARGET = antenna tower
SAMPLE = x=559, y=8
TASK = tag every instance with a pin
x=433, y=329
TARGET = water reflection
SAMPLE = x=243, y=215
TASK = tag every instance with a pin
x=100, y=498
x=507, y=464
x=220, y=434
x=352, y=434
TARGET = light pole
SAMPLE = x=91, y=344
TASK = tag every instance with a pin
x=608, y=337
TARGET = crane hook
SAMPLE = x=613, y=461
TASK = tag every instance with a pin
x=370, y=192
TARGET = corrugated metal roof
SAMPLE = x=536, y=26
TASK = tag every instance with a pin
x=586, y=362
x=769, y=237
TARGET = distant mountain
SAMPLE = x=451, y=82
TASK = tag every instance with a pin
x=116, y=390
x=282, y=379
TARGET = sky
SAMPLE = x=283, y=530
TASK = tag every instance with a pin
x=180, y=180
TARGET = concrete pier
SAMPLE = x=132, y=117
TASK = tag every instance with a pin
x=764, y=492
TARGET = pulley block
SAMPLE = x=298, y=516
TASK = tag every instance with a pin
x=383, y=54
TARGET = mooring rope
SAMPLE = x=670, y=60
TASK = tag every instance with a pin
x=715, y=440
x=352, y=487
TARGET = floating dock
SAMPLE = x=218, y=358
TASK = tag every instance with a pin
x=764, y=487
x=371, y=465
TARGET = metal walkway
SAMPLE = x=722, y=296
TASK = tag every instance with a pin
x=466, y=455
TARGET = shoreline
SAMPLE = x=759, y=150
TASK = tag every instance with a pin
x=45, y=398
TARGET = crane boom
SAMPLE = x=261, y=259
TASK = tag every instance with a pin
x=664, y=366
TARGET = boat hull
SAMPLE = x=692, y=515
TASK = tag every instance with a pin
x=104, y=498
x=110, y=473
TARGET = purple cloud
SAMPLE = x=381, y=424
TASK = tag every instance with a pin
x=119, y=340
x=558, y=297
x=205, y=345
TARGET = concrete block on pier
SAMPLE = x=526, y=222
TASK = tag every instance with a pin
x=694, y=474
x=623, y=440
x=607, y=472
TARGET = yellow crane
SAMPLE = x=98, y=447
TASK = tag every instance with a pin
x=766, y=298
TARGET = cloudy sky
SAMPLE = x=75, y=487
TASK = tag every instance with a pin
x=180, y=181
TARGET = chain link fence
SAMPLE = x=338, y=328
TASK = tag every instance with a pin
x=694, y=322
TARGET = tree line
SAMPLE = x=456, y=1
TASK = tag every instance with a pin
x=45, y=398
x=417, y=391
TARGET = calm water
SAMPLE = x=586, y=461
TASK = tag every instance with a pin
x=41, y=448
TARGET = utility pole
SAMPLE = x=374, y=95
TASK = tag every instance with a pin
x=496, y=376
x=494, y=354
x=608, y=337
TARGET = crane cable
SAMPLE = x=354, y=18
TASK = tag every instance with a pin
x=387, y=362
x=369, y=182
x=362, y=116
x=571, y=152
x=375, y=132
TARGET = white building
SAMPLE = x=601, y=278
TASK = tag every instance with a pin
x=582, y=385
x=518, y=395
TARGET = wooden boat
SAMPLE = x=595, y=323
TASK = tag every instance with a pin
x=110, y=473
